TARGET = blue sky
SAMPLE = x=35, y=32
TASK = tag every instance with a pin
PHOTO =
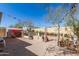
x=34, y=12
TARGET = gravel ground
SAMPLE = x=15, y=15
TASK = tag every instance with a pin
x=36, y=47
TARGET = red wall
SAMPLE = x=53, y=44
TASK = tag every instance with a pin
x=15, y=32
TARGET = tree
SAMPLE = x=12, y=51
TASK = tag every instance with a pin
x=55, y=16
x=18, y=25
x=29, y=25
x=11, y=26
x=26, y=23
x=72, y=21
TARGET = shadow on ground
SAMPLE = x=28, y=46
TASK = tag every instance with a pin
x=16, y=47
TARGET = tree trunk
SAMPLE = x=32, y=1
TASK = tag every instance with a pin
x=30, y=34
x=45, y=36
x=58, y=33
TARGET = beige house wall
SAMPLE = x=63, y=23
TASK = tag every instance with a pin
x=63, y=30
